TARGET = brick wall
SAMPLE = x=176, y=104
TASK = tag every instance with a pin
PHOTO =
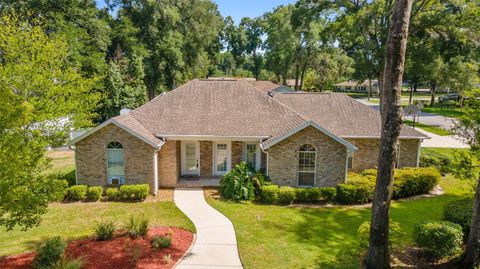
x=367, y=154
x=237, y=153
x=330, y=158
x=91, y=160
x=169, y=164
x=206, y=158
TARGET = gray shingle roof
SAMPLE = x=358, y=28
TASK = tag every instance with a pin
x=340, y=114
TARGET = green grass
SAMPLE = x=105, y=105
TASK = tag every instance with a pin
x=72, y=221
x=453, y=112
x=441, y=152
x=428, y=128
x=287, y=237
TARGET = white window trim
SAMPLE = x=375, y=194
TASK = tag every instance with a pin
x=258, y=154
x=109, y=180
x=184, y=157
x=314, y=172
x=229, y=157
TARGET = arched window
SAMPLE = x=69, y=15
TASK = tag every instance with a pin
x=306, y=165
x=115, y=163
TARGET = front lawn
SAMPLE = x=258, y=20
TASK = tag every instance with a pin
x=453, y=112
x=272, y=236
x=75, y=220
x=432, y=129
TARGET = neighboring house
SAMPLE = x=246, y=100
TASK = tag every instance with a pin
x=202, y=129
x=269, y=87
x=356, y=86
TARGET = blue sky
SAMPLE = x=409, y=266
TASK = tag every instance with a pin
x=241, y=8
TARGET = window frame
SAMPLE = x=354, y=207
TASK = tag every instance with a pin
x=108, y=149
x=314, y=170
x=257, y=154
x=229, y=158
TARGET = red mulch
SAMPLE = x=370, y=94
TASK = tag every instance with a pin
x=121, y=252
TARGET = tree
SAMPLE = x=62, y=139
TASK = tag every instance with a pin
x=378, y=255
x=39, y=89
x=253, y=32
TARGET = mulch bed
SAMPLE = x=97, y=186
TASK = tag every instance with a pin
x=119, y=253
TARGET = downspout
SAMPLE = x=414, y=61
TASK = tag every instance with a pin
x=266, y=153
x=155, y=171
x=75, y=158
x=418, y=151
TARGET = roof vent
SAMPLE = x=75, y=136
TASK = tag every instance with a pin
x=125, y=111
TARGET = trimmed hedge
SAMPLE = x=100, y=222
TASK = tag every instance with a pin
x=442, y=238
x=137, y=192
x=113, y=194
x=328, y=194
x=460, y=212
x=76, y=193
x=286, y=195
x=414, y=181
x=353, y=194
x=269, y=194
x=94, y=194
x=307, y=195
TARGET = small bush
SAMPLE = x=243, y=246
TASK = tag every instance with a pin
x=269, y=194
x=94, y=194
x=414, y=181
x=57, y=189
x=68, y=263
x=113, y=194
x=460, y=212
x=307, y=195
x=136, y=192
x=161, y=242
x=286, y=195
x=442, y=238
x=76, y=193
x=242, y=183
x=137, y=226
x=353, y=194
x=104, y=230
x=49, y=253
x=395, y=234
x=440, y=161
x=328, y=194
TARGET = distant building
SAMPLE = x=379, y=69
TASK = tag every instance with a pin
x=356, y=86
x=269, y=87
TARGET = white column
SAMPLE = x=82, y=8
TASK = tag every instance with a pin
x=155, y=172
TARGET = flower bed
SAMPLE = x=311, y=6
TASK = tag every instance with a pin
x=120, y=252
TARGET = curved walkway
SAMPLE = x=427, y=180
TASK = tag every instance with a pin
x=216, y=244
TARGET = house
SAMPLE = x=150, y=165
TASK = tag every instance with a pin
x=356, y=86
x=269, y=87
x=200, y=130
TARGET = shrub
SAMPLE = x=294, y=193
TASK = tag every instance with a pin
x=307, y=195
x=137, y=226
x=113, y=194
x=459, y=212
x=49, y=253
x=395, y=234
x=94, y=194
x=58, y=188
x=161, y=242
x=440, y=161
x=414, y=181
x=269, y=194
x=286, y=195
x=68, y=263
x=242, y=183
x=135, y=192
x=328, y=194
x=104, y=230
x=370, y=173
x=442, y=238
x=76, y=193
x=353, y=194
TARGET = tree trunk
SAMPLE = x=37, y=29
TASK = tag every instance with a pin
x=411, y=94
x=471, y=258
x=302, y=74
x=297, y=74
x=433, y=85
x=378, y=255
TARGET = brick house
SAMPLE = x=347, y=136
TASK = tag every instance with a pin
x=193, y=135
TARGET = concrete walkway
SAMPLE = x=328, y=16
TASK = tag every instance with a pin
x=216, y=243
x=437, y=141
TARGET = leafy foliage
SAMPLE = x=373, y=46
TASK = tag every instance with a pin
x=269, y=194
x=137, y=226
x=161, y=242
x=76, y=193
x=460, y=212
x=134, y=192
x=94, y=193
x=286, y=195
x=49, y=253
x=113, y=194
x=444, y=239
x=104, y=230
x=395, y=234
x=242, y=183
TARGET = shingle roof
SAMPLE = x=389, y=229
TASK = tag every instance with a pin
x=265, y=85
x=340, y=114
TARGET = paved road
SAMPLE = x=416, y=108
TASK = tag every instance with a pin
x=216, y=243
x=446, y=123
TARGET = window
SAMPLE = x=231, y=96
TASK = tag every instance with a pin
x=221, y=158
x=251, y=155
x=115, y=163
x=350, y=161
x=306, y=165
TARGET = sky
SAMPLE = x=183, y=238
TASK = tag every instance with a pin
x=238, y=9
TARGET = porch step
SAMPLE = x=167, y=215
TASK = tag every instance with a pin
x=197, y=182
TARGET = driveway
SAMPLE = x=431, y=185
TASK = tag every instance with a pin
x=216, y=243
x=446, y=123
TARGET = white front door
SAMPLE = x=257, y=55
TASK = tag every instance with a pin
x=190, y=158
x=222, y=158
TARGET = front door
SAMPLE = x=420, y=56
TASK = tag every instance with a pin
x=222, y=158
x=190, y=158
